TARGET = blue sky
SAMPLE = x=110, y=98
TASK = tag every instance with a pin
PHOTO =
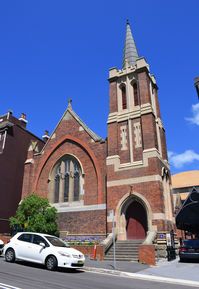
x=54, y=50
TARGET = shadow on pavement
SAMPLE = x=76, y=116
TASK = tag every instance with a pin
x=59, y=269
x=131, y=267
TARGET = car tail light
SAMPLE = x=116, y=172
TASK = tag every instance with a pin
x=182, y=249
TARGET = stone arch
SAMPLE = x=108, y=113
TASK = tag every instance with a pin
x=61, y=156
x=134, y=87
x=60, y=162
x=123, y=92
x=122, y=207
x=91, y=154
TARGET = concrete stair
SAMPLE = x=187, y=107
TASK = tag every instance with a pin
x=124, y=250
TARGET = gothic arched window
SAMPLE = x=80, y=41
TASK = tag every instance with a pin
x=67, y=176
x=124, y=100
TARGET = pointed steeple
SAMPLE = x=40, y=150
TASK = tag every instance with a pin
x=130, y=51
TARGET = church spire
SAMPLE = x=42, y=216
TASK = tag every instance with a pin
x=130, y=51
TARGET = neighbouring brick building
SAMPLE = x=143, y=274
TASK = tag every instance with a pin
x=14, y=143
x=182, y=185
x=88, y=179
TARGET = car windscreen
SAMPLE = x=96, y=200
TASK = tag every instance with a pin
x=191, y=243
x=57, y=242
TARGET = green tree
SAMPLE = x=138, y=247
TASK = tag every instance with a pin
x=34, y=214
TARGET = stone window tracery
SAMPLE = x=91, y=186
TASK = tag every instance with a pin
x=66, y=180
x=57, y=184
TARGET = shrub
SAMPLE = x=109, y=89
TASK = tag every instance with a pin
x=35, y=214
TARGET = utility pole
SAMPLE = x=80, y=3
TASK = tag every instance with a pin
x=113, y=232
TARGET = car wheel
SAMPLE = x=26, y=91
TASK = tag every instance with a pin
x=51, y=263
x=10, y=255
x=182, y=260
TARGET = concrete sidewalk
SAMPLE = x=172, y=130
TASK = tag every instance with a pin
x=174, y=269
x=130, y=267
x=170, y=272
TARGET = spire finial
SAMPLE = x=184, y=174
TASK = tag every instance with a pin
x=130, y=51
x=70, y=103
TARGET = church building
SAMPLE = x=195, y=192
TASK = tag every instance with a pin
x=125, y=178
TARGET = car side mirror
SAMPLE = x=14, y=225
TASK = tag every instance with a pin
x=42, y=244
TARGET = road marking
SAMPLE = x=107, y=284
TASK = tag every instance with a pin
x=6, y=286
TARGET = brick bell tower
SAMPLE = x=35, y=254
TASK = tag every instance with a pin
x=138, y=176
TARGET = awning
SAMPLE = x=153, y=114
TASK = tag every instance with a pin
x=188, y=217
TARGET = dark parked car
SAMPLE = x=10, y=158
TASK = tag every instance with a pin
x=189, y=249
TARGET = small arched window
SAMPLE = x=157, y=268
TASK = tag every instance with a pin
x=124, y=100
x=136, y=96
x=67, y=180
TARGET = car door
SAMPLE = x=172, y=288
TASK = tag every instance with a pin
x=23, y=246
x=38, y=252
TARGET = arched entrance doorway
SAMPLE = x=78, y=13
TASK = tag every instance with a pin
x=136, y=221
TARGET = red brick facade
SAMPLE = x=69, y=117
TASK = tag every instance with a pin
x=71, y=138
x=137, y=166
x=129, y=168
x=14, y=143
x=147, y=254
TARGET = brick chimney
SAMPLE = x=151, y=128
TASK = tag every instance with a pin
x=9, y=113
x=46, y=136
x=23, y=120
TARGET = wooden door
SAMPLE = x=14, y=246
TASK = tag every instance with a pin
x=136, y=221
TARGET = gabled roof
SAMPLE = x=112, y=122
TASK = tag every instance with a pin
x=70, y=111
x=92, y=134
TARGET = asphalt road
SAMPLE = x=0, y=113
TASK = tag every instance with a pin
x=27, y=276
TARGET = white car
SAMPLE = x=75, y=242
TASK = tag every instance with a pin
x=1, y=246
x=44, y=249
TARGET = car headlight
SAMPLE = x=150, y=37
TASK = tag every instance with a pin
x=64, y=254
x=77, y=256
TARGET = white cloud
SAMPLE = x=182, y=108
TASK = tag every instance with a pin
x=179, y=160
x=195, y=111
x=170, y=154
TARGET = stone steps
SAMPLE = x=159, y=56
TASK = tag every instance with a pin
x=124, y=251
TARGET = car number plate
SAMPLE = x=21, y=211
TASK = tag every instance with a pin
x=191, y=250
x=80, y=262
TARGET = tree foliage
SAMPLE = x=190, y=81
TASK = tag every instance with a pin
x=34, y=214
